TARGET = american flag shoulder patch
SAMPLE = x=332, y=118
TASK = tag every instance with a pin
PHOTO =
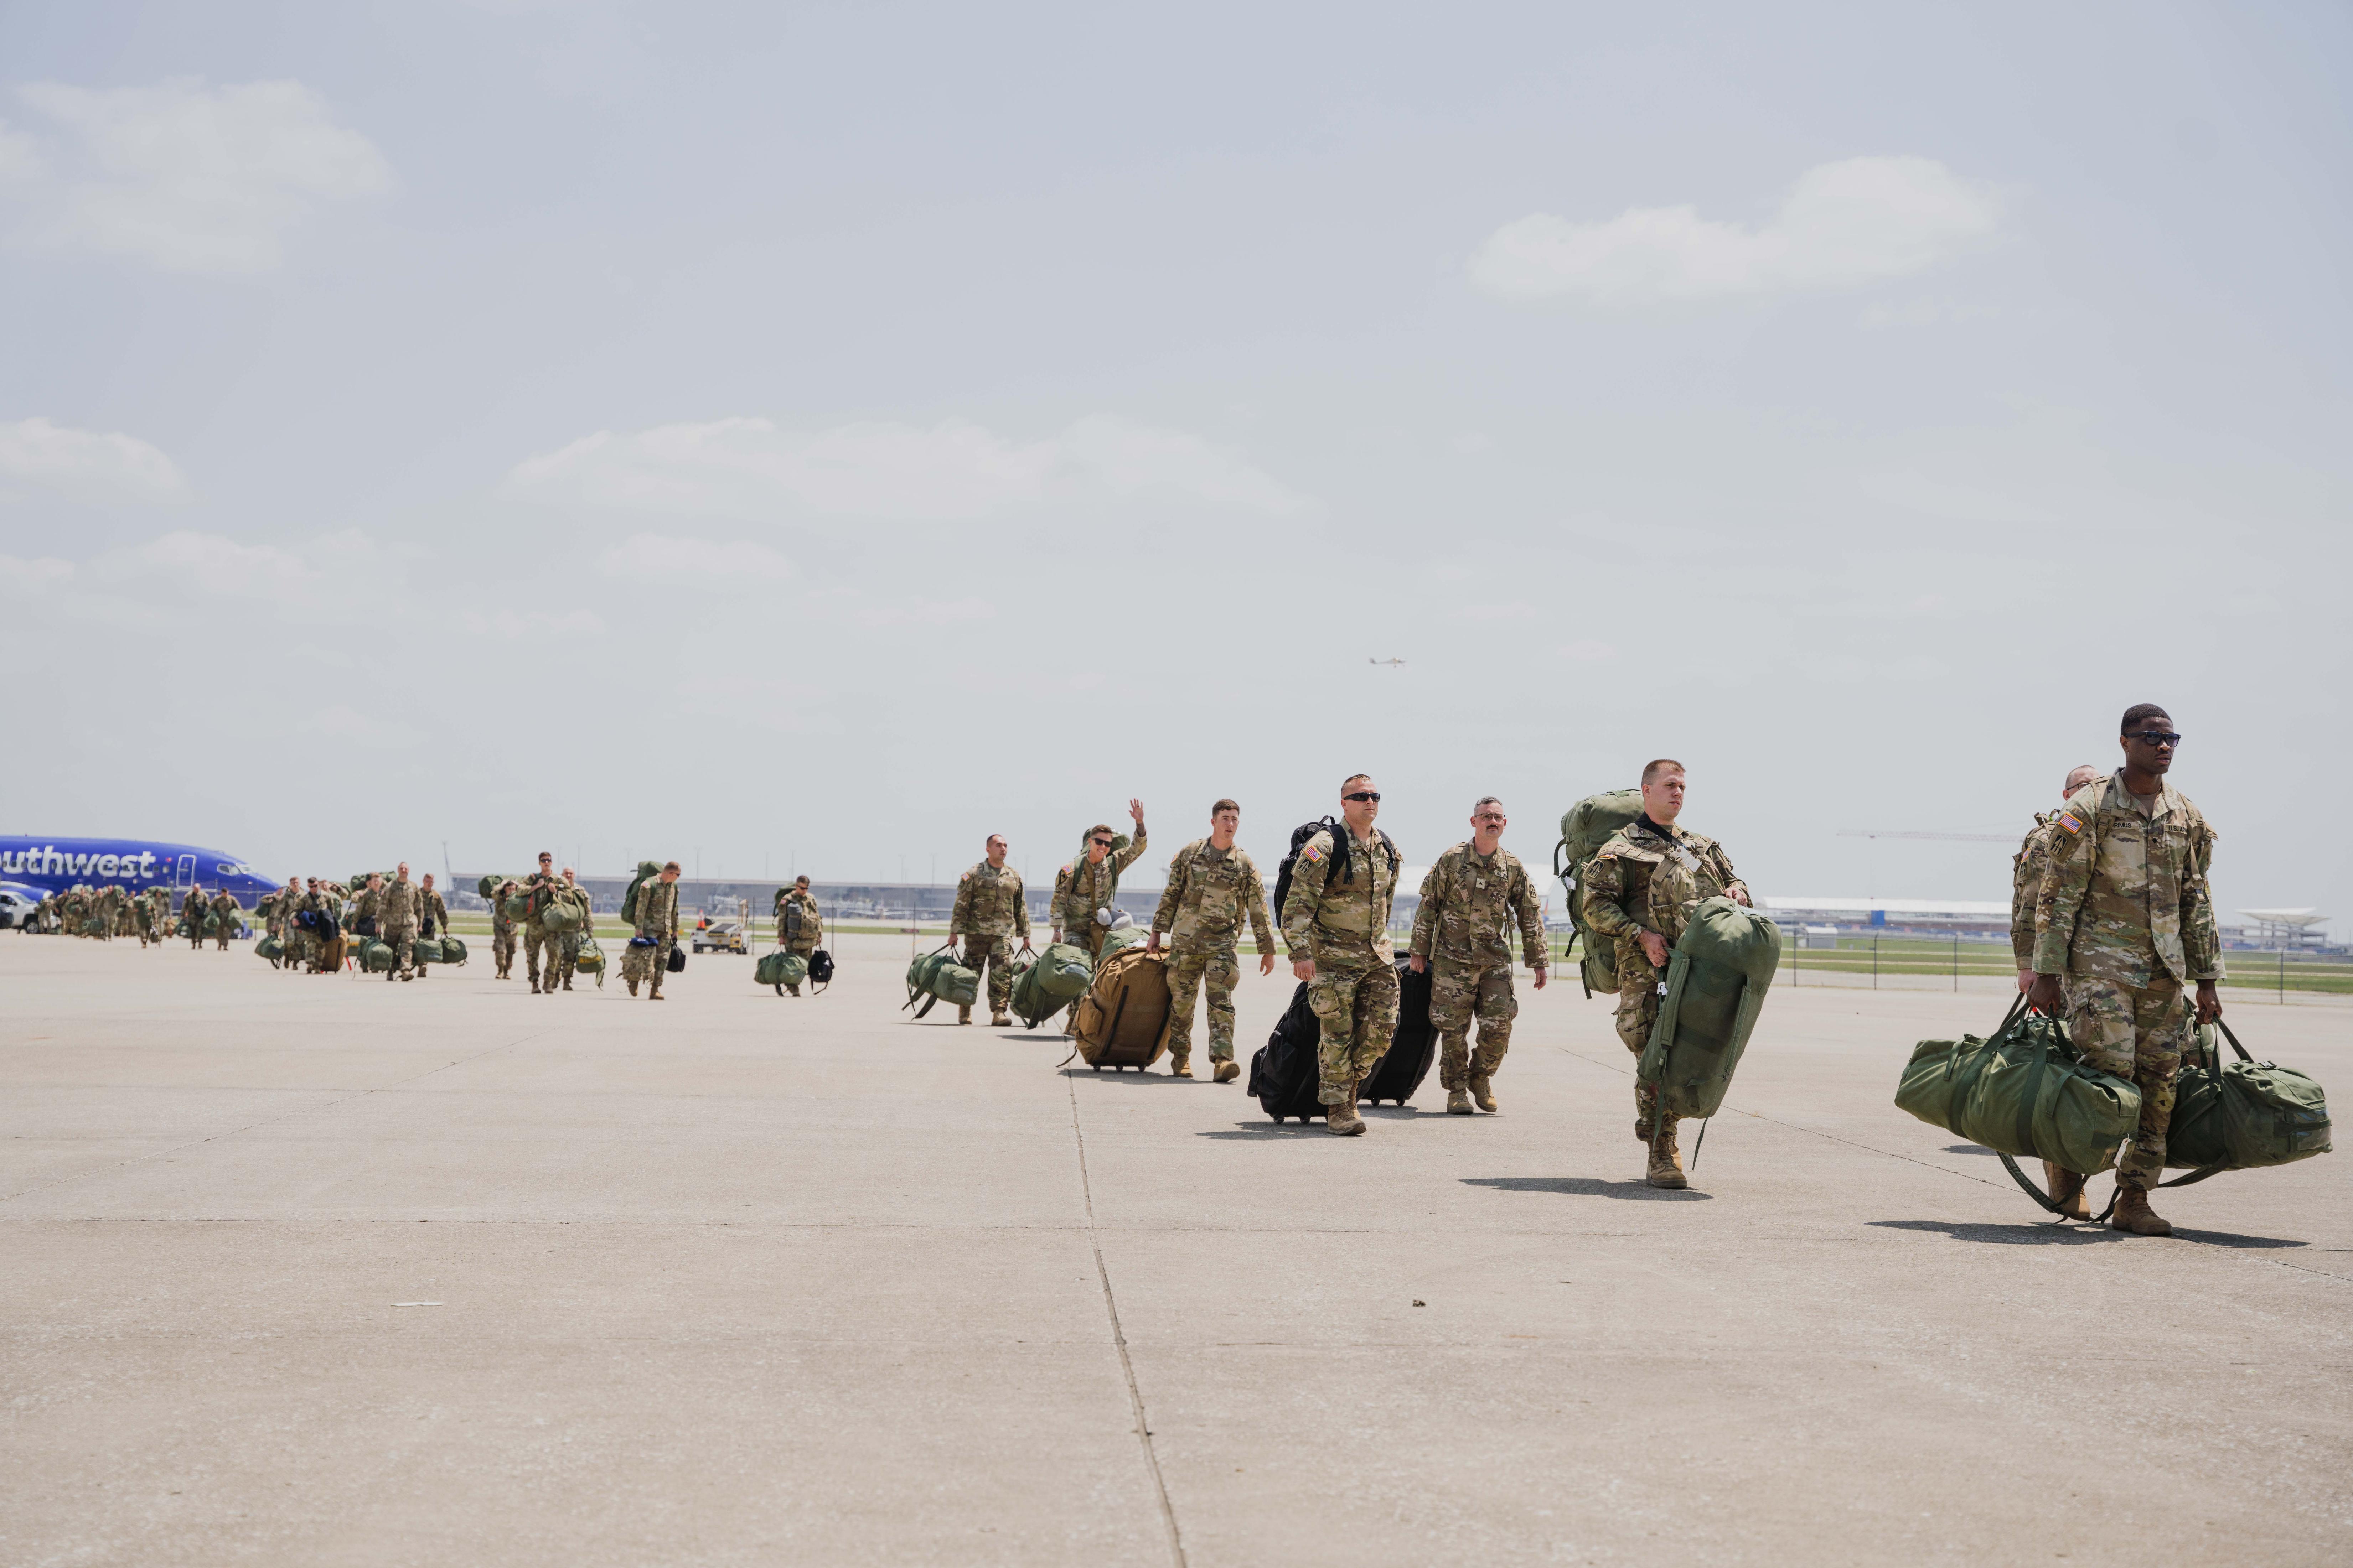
x=1312, y=854
x=2070, y=823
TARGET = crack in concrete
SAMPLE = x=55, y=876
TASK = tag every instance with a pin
x=1119, y=1340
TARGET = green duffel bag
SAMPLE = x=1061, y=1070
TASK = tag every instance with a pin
x=2022, y=1093
x=376, y=957
x=452, y=950
x=781, y=969
x=957, y=986
x=1585, y=827
x=590, y=959
x=1118, y=940
x=1063, y=971
x=270, y=947
x=1717, y=980
x=2242, y=1115
x=212, y=922
x=181, y=928
x=518, y=908
x=424, y=950
x=937, y=978
x=562, y=915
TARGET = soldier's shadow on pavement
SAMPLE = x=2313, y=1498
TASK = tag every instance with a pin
x=1588, y=1187
x=2044, y=1233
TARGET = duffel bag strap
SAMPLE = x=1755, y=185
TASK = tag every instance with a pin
x=2234, y=1042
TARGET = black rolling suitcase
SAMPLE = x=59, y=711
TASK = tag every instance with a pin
x=1283, y=1076
x=1412, y=1047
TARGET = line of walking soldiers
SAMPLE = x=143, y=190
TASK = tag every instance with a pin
x=310, y=923
x=102, y=914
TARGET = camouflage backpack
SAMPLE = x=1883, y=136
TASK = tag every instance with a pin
x=1586, y=827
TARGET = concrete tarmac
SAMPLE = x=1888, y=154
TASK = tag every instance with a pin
x=338, y=1271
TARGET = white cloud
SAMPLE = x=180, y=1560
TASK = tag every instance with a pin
x=19, y=575
x=952, y=471
x=212, y=566
x=1844, y=224
x=342, y=722
x=86, y=465
x=182, y=175
x=661, y=557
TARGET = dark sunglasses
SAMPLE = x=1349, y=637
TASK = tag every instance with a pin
x=1363, y=795
x=1103, y=843
x=2155, y=737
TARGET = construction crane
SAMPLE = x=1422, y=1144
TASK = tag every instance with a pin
x=1391, y=662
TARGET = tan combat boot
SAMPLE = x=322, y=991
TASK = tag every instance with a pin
x=1666, y=1168
x=2066, y=1191
x=1641, y=1132
x=1483, y=1092
x=1227, y=1071
x=1180, y=1065
x=633, y=989
x=1342, y=1118
x=996, y=1020
x=963, y=1015
x=1458, y=1103
x=2135, y=1216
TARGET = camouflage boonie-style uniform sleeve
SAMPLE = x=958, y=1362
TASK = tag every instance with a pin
x=1612, y=885
x=2124, y=896
x=2026, y=887
x=959, y=918
x=1172, y=893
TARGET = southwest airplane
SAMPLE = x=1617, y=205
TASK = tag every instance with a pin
x=53, y=864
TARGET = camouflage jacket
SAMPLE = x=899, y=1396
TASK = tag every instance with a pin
x=657, y=910
x=2124, y=896
x=798, y=924
x=2026, y=887
x=1209, y=893
x=430, y=905
x=1470, y=903
x=1088, y=886
x=1650, y=878
x=541, y=889
x=225, y=905
x=502, y=923
x=990, y=902
x=395, y=905
x=1340, y=912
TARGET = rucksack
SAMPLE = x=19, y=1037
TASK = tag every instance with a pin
x=1122, y=1020
x=1342, y=864
x=1584, y=829
x=1715, y=984
x=646, y=869
x=1285, y=1077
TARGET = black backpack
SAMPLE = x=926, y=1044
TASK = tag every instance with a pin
x=1340, y=865
x=820, y=965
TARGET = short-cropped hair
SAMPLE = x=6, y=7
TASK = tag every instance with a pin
x=1483, y=800
x=669, y=866
x=1354, y=778
x=2140, y=713
x=2088, y=771
x=800, y=882
x=1652, y=769
x=1232, y=806
x=1103, y=827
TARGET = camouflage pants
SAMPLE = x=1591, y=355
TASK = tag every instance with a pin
x=646, y=963
x=537, y=944
x=563, y=958
x=2138, y=1034
x=1460, y=991
x=196, y=931
x=502, y=949
x=1357, y=1003
x=228, y=930
x=402, y=940
x=1214, y=970
x=298, y=955
x=989, y=955
x=1638, y=1009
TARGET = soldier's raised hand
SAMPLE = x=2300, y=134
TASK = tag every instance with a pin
x=1135, y=810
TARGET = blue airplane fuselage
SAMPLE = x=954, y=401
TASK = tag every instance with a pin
x=53, y=864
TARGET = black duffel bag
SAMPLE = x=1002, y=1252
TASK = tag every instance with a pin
x=677, y=956
x=1284, y=1075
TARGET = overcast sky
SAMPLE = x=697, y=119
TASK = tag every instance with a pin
x=821, y=436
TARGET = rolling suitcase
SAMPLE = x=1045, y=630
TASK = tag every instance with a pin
x=1122, y=1020
x=1283, y=1076
x=1412, y=1047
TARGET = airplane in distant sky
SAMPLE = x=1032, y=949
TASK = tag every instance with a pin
x=53, y=864
x=1388, y=662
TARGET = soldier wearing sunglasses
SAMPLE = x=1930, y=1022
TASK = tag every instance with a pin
x=1084, y=891
x=2124, y=923
x=1335, y=923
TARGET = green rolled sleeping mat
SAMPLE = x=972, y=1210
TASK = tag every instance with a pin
x=424, y=950
x=2242, y=1115
x=452, y=950
x=270, y=947
x=1119, y=939
x=1717, y=980
x=2022, y=1093
x=1584, y=829
x=781, y=969
x=376, y=957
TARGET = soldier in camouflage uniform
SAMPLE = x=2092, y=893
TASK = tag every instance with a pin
x=538, y=888
x=990, y=910
x=647, y=957
x=1213, y=885
x=2026, y=870
x=1084, y=893
x=799, y=926
x=1470, y=901
x=192, y=909
x=230, y=911
x=395, y=923
x=432, y=918
x=563, y=947
x=2124, y=920
x=297, y=939
x=45, y=913
x=503, y=931
x=1640, y=893
x=1335, y=922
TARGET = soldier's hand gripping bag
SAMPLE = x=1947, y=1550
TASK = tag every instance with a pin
x=1122, y=1020
x=1284, y=1075
x=2022, y=1092
x=1585, y=827
x=1412, y=1046
x=2243, y=1115
x=1717, y=980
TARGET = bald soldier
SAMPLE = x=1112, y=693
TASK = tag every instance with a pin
x=1335, y=922
x=2124, y=923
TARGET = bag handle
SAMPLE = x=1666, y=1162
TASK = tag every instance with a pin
x=2234, y=1039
